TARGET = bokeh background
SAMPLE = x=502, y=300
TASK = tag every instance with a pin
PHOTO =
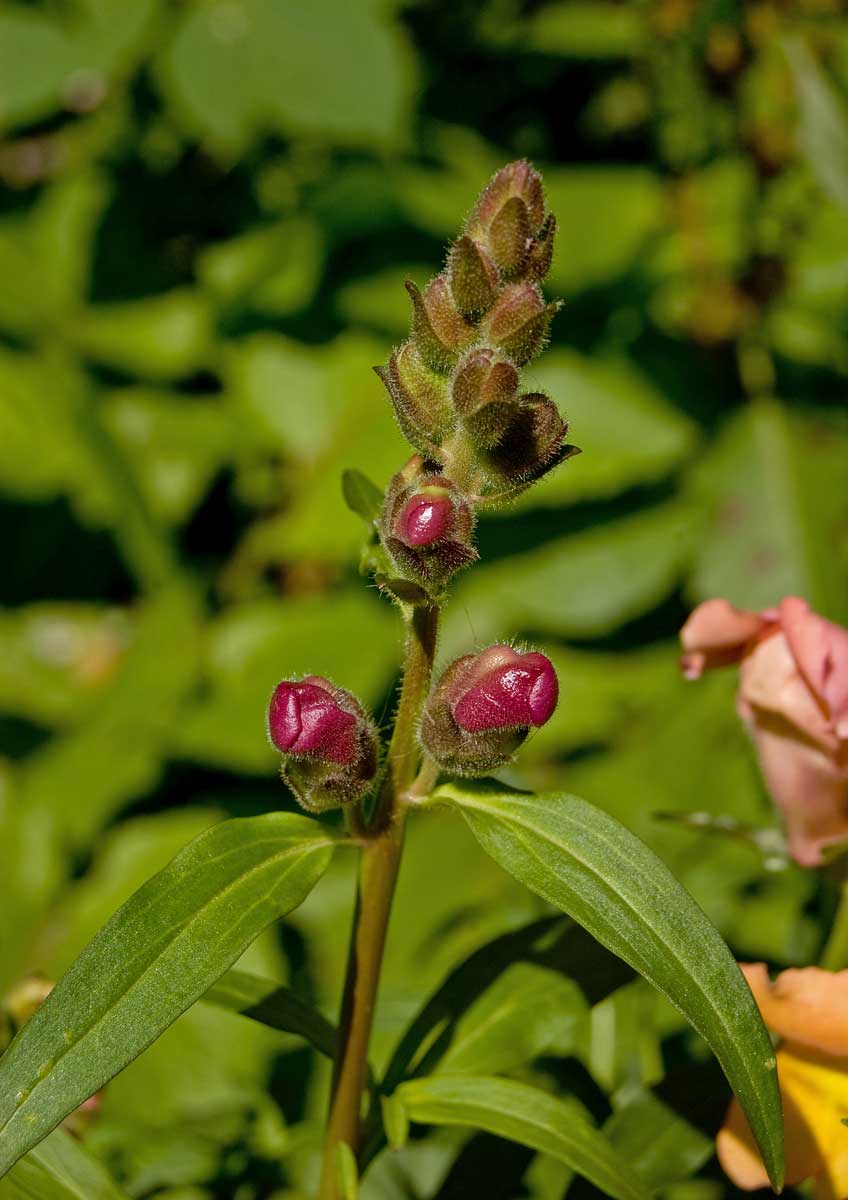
x=207, y=211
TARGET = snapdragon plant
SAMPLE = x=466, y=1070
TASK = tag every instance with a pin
x=478, y=441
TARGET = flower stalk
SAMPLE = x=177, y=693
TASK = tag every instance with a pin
x=382, y=848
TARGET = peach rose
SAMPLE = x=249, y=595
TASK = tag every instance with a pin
x=793, y=697
x=808, y=1009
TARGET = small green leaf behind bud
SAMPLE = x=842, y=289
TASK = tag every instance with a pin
x=483, y=707
x=426, y=528
x=328, y=743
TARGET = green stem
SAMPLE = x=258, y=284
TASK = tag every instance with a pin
x=835, y=954
x=380, y=861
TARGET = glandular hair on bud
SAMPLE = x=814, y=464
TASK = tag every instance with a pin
x=328, y=743
x=483, y=707
x=484, y=392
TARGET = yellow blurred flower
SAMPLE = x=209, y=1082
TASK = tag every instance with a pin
x=808, y=1010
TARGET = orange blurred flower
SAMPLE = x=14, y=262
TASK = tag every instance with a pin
x=808, y=1009
x=793, y=697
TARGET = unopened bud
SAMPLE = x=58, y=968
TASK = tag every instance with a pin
x=439, y=330
x=425, y=518
x=516, y=180
x=421, y=398
x=509, y=236
x=520, y=322
x=427, y=527
x=484, y=393
x=473, y=278
x=484, y=706
x=328, y=744
x=541, y=251
x=532, y=445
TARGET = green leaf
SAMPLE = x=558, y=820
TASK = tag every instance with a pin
x=662, y=1146
x=823, y=132
x=234, y=72
x=158, y=954
x=361, y=495
x=527, y=1012
x=585, y=863
x=775, y=520
x=59, y=1169
x=273, y=1005
x=578, y=29
x=583, y=585
x=552, y=943
x=512, y=1110
x=628, y=432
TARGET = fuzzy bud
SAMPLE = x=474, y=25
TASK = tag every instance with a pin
x=520, y=322
x=473, y=278
x=426, y=527
x=484, y=393
x=517, y=180
x=484, y=706
x=439, y=330
x=421, y=398
x=328, y=744
x=531, y=446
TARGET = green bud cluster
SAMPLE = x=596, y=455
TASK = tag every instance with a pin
x=455, y=383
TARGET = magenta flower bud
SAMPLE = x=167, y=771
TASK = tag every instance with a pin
x=505, y=690
x=328, y=744
x=304, y=718
x=425, y=518
x=426, y=527
x=484, y=706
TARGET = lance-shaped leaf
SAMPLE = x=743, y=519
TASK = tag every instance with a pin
x=555, y=943
x=273, y=1005
x=158, y=954
x=60, y=1169
x=560, y=1128
x=587, y=864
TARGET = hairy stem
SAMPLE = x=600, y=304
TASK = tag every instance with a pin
x=378, y=871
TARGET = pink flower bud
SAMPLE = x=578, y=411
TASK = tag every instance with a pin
x=328, y=744
x=304, y=718
x=505, y=689
x=426, y=527
x=425, y=518
x=484, y=706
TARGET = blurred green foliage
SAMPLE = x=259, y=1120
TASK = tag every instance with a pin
x=207, y=211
